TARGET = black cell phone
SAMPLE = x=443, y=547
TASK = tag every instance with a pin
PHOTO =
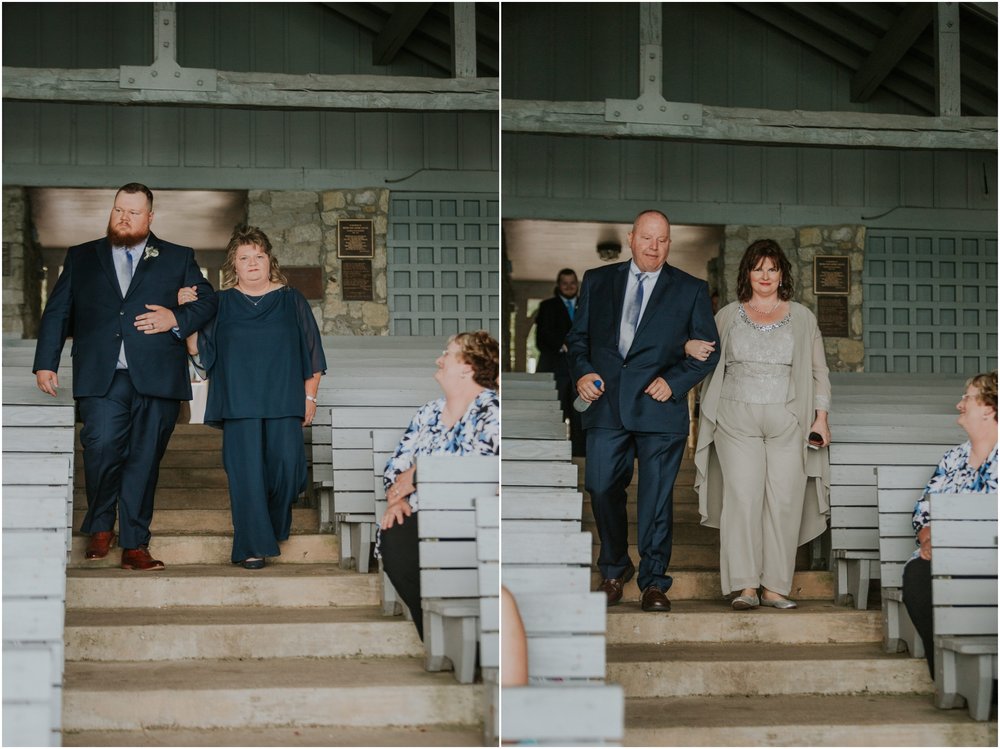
x=815, y=440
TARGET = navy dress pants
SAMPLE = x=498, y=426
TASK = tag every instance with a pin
x=124, y=437
x=400, y=551
x=265, y=463
x=611, y=454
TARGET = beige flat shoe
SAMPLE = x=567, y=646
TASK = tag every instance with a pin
x=779, y=603
x=744, y=603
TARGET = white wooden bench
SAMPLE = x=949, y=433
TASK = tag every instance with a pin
x=38, y=436
x=354, y=414
x=964, y=580
x=856, y=450
x=899, y=488
x=564, y=715
x=353, y=362
x=448, y=486
x=488, y=552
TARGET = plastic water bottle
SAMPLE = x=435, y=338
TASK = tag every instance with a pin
x=580, y=404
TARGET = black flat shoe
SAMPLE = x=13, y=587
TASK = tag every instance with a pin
x=253, y=564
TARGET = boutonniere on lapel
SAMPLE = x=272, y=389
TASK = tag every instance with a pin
x=150, y=252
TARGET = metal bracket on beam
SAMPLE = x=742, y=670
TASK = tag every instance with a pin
x=652, y=110
x=165, y=74
x=168, y=76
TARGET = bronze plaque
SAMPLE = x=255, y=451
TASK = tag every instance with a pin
x=833, y=315
x=832, y=274
x=308, y=280
x=355, y=237
x=356, y=280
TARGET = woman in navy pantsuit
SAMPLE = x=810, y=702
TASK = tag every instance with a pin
x=264, y=361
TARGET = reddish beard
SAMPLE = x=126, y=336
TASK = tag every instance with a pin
x=125, y=237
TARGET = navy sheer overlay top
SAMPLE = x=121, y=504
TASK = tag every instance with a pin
x=258, y=352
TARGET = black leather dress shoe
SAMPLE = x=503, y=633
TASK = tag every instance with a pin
x=654, y=599
x=253, y=564
x=614, y=586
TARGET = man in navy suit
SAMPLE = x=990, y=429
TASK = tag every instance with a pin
x=117, y=298
x=552, y=323
x=631, y=324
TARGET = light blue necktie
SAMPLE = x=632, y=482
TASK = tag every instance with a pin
x=125, y=272
x=570, y=307
x=632, y=316
x=640, y=277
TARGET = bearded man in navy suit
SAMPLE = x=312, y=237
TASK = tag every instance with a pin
x=631, y=324
x=117, y=298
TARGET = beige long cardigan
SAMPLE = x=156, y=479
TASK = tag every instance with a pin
x=810, y=376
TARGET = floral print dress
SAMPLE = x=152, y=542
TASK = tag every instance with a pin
x=476, y=433
x=954, y=475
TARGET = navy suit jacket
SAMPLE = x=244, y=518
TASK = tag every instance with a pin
x=678, y=309
x=552, y=323
x=87, y=305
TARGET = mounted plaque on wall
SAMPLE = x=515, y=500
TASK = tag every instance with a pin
x=832, y=274
x=356, y=280
x=833, y=316
x=355, y=237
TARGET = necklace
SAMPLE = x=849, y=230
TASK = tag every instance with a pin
x=755, y=308
x=249, y=299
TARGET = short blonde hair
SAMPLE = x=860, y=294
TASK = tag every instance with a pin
x=243, y=235
x=481, y=351
x=986, y=384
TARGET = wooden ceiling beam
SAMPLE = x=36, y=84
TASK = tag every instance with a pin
x=463, y=40
x=261, y=91
x=890, y=49
x=397, y=30
x=947, y=78
x=760, y=126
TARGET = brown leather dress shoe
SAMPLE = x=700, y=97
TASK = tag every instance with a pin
x=99, y=544
x=654, y=599
x=139, y=559
x=615, y=586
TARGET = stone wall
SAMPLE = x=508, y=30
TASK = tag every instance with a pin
x=801, y=245
x=302, y=226
x=22, y=268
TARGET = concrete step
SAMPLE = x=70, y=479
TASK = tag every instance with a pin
x=690, y=669
x=189, y=477
x=685, y=511
x=213, y=521
x=682, y=556
x=438, y=735
x=705, y=585
x=210, y=439
x=686, y=532
x=174, y=459
x=300, y=548
x=714, y=621
x=802, y=720
x=686, y=554
x=171, y=498
x=362, y=692
x=220, y=585
x=237, y=632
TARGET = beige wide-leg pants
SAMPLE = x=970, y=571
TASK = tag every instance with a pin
x=760, y=452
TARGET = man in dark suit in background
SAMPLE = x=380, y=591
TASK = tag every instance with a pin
x=631, y=324
x=117, y=298
x=552, y=323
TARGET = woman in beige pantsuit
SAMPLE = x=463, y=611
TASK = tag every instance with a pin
x=758, y=479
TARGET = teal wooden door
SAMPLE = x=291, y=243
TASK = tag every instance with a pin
x=930, y=302
x=444, y=263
